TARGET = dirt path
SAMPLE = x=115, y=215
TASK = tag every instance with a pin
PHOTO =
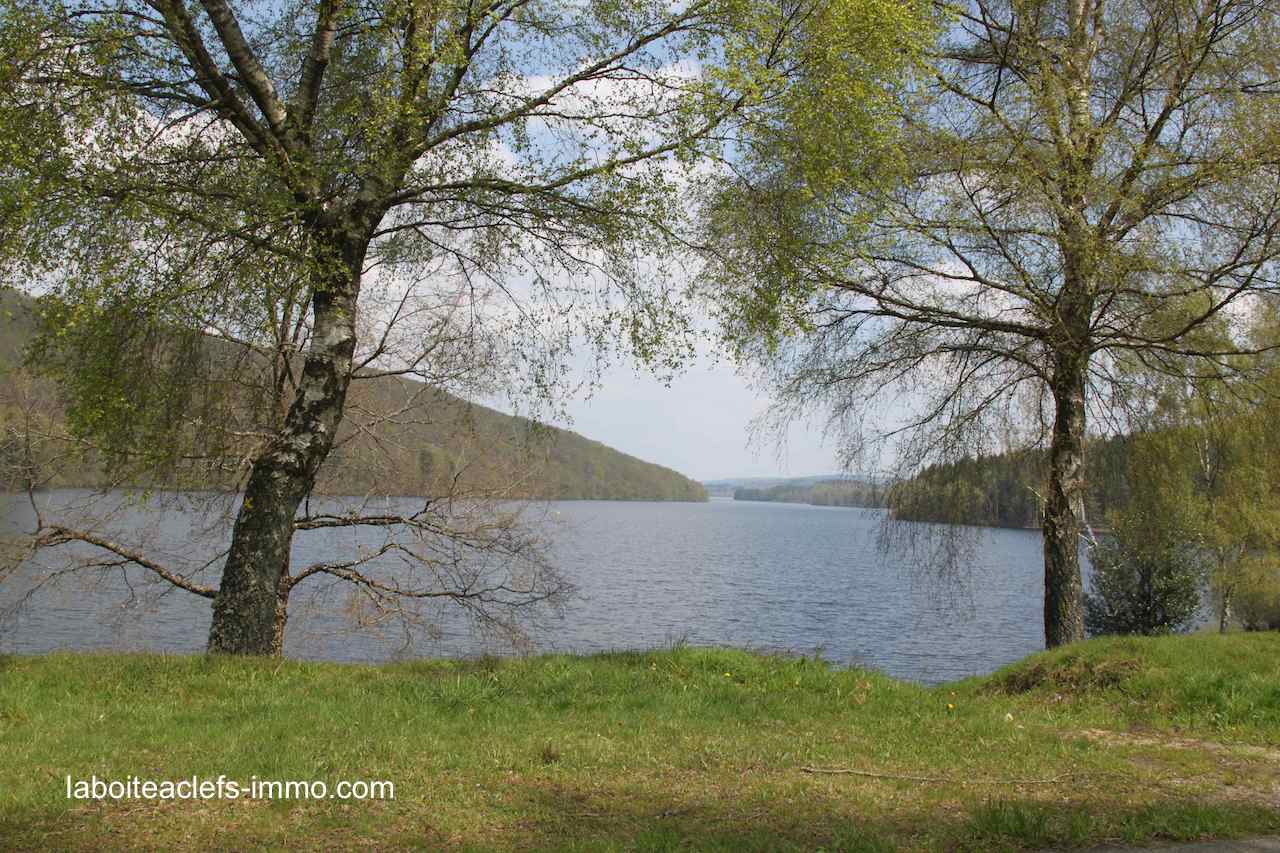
x=1248, y=845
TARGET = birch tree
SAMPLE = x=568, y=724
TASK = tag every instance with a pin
x=249, y=168
x=1213, y=445
x=1078, y=183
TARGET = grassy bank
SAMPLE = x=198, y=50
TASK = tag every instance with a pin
x=1130, y=740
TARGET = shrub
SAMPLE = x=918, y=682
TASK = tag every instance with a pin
x=1257, y=601
x=1143, y=584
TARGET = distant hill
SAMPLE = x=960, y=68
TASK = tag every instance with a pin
x=1001, y=490
x=728, y=485
x=818, y=489
x=442, y=437
x=830, y=492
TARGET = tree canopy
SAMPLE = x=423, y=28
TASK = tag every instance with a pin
x=449, y=190
x=1080, y=186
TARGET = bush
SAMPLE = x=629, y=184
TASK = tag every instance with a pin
x=1257, y=601
x=1142, y=585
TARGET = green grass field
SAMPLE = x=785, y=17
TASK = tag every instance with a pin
x=1112, y=740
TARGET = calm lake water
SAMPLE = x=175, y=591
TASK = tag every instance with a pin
x=776, y=577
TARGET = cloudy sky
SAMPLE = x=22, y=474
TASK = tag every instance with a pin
x=700, y=425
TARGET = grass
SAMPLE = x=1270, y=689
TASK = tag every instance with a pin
x=1129, y=740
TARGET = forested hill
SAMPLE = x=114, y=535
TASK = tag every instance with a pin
x=1004, y=490
x=441, y=440
x=829, y=492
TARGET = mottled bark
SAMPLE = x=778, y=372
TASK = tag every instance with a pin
x=249, y=610
x=1068, y=334
x=1064, y=507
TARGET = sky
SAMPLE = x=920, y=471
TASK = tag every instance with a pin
x=699, y=425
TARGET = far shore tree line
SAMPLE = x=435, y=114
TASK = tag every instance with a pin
x=1188, y=505
x=1203, y=512
x=1181, y=514
x=960, y=228
x=857, y=493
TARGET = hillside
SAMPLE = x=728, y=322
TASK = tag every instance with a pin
x=438, y=438
x=1003, y=490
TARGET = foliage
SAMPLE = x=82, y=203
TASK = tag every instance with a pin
x=1257, y=595
x=468, y=147
x=1007, y=489
x=457, y=192
x=1212, y=454
x=1236, y=468
x=1072, y=190
x=1149, y=571
x=1143, y=582
x=1002, y=490
x=1201, y=477
x=440, y=438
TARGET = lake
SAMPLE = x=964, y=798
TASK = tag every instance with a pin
x=773, y=577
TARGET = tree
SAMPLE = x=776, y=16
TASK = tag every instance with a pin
x=1081, y=184
x=1149, y=569
x=1257, y=596
x=1140, y=587
x=352, y=189
x=1214, y=441
x=1234, y=470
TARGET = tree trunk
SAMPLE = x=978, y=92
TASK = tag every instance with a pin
x=282, y=614
x=1064, y=507
x=1224, y=610
x=248, y=615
